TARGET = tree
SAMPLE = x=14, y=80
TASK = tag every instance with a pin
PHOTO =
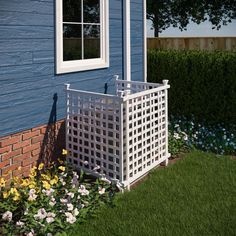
x=179, y=13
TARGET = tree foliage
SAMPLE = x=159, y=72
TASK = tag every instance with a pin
x=179, y=13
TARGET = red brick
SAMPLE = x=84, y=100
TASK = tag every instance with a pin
x=43, y=130
x=4, y=164
x=11, y=154
x=37, y=139
x=9, y=169
x=27, y=162
x=36, y=152
x=17, y=173
x=30, y=134
x=10, y=141
x=21, y=144
x=25, y=170
x=5, y=149
x=22, y=157
x=31, y=147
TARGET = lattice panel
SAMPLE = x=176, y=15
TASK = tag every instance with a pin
x=122, y=136
x=93, y=133
x=146, y=136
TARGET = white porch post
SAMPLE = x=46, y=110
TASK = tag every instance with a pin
x=127, y=51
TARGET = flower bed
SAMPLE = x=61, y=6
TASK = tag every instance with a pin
x=190, y=134
x=49, y=201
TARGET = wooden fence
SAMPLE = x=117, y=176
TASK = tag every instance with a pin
x=190, y=43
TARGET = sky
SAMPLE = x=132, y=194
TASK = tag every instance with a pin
x=193, y=30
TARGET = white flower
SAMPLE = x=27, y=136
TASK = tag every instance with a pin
x=51, y=214
x=63, y=200
x=74, y=181
x=86, y=163
x=176, y=136
x=31, y=233
x=70, y=207
x=50, y=220
x=7, y=216
x=32, y=191
x=52, y=202
x=101, y=190
x=62, y=181
x=65, y=174
x=32, y=195
x=71, y=195
x=70, y=218
x=20, y=223
x=83, y=191
x=78, y=198
x=76, y=212
x=96, y=168
x=26, y=211
x=75, y=174
x=48, y=192
x=42, y=214
x=49, y=234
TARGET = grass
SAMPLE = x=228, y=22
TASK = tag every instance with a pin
x=195, y=196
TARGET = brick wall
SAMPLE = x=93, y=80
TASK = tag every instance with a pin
x=21, y=151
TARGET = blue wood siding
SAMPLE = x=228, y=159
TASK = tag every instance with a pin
x=27, y=61
x=137, y=44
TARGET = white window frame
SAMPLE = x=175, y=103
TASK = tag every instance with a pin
x=85, y=64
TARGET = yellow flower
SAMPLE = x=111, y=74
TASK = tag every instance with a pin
x=13, y=190
x=32, y=184
x=64, y=152
x=16, y=197
x=16, y=180
x=25, y=182
x=41, y=165
x=62, y=168
x=2, y=183
x=6, y=195
x=54, y=180
x=46, y=185
x=46, y=177
x=33, y=172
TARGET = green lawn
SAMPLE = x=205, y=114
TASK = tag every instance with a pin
x=194, y=196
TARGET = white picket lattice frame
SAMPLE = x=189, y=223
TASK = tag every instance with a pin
x=120, y=137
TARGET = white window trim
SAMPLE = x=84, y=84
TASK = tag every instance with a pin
x=82, y=65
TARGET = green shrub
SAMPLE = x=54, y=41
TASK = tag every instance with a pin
x=203, y=84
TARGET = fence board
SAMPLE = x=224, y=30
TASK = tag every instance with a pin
x=191, y=43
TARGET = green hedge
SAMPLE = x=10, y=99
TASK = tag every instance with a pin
x=203, y=83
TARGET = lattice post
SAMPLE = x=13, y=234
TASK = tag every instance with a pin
x=165, y=82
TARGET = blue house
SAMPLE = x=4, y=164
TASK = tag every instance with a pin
x=45, y=44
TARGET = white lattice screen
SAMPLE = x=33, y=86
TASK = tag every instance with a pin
x=119, y=136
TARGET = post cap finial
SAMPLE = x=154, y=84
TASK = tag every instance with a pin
x=116, y=77
x=67, y=86
x=165, y=82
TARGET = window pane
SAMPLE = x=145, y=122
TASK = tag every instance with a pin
x=71, y=10
x=91, y=11
x=72, y=42
x=91, y=41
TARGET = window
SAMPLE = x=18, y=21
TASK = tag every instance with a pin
x=82, y=35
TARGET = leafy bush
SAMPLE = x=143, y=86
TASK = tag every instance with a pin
x=203, y=84
x=49, y=201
